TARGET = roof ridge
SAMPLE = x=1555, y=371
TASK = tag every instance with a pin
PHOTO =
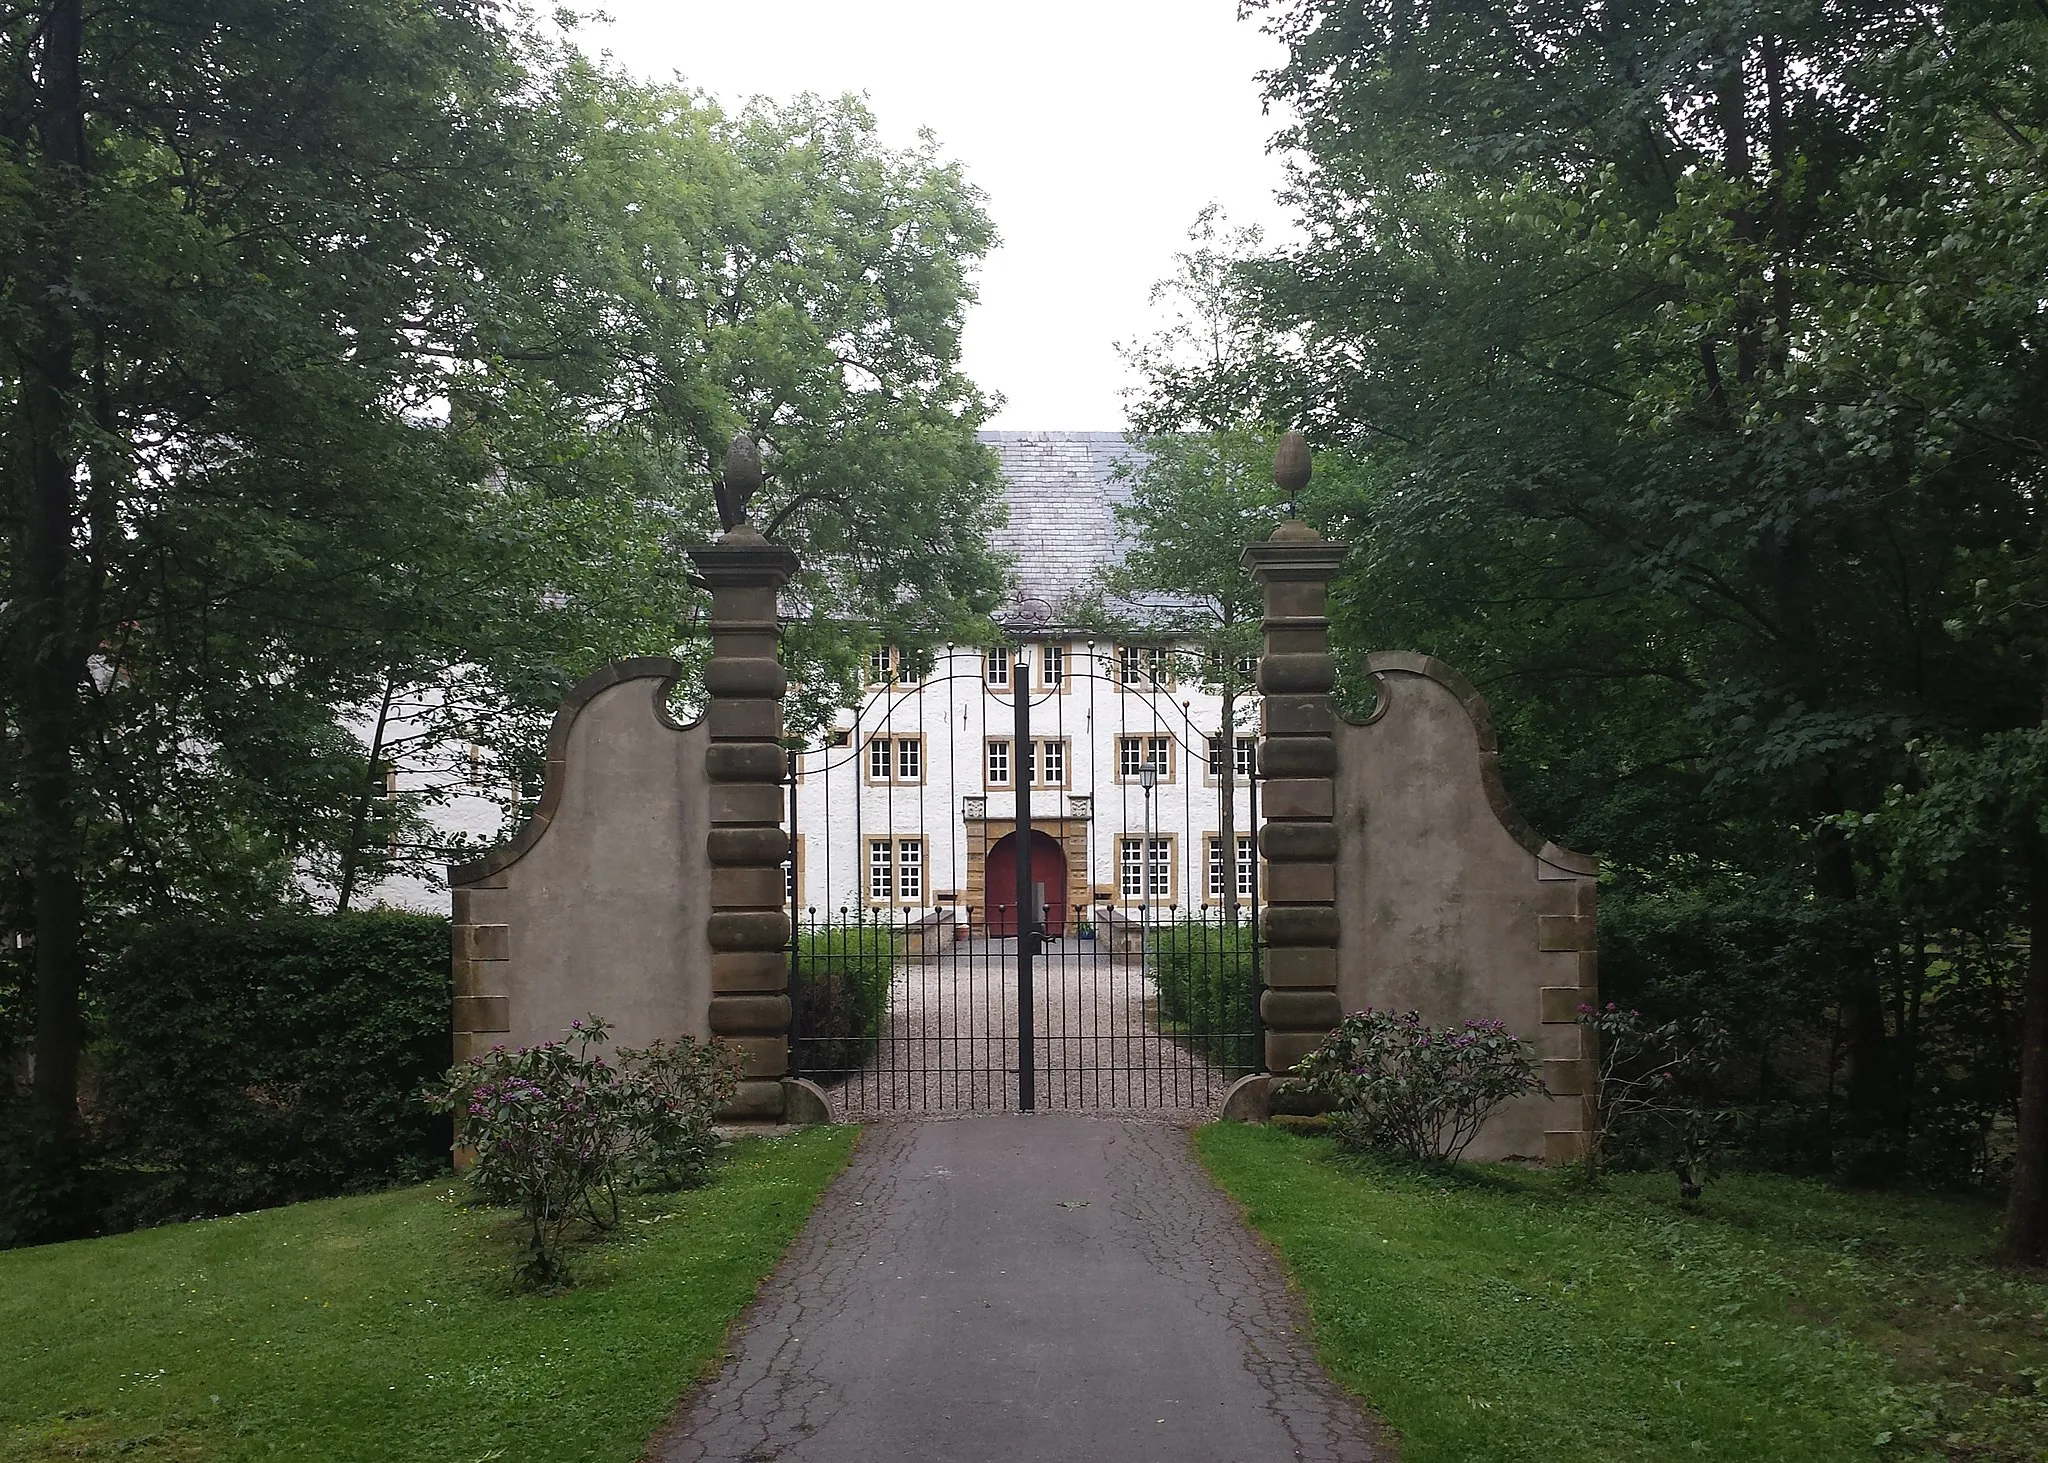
x=1046, y=435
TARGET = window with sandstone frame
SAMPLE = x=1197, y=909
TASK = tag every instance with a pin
x=895, y=760
x=1133, y=752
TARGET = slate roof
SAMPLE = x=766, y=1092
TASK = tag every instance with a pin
x=1061, y=529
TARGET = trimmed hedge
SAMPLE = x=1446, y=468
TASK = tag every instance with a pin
x=843, y=975
x=252, y=1063
x=1208, y=995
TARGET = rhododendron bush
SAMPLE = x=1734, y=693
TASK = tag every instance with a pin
x=1396, y=1084
x=556, y=1130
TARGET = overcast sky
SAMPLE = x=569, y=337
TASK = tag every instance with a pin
x=1097, y=128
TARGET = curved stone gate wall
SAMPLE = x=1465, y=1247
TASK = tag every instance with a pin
x=1450, y=905
x=600, y=903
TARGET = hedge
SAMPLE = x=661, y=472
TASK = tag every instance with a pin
x=251, y=1063
x=1208, y=994
x=843, y=975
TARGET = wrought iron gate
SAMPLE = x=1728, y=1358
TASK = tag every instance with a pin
x=1086, y=945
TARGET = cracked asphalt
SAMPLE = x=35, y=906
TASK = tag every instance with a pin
x=1017, y=1287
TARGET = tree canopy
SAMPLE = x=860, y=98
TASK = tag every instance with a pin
x=1684, y=365
x=352, y=351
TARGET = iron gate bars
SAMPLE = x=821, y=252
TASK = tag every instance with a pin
x=951, y=954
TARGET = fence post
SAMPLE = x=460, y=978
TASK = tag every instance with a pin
x=1298, y=769
x=745, y=762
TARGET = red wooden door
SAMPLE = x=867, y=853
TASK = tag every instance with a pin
x=1048, y=880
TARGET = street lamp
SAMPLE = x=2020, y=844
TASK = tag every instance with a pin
x=1148, y=778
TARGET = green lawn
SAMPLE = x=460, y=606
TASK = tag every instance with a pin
x=385, y=1327
x=1503, y=1314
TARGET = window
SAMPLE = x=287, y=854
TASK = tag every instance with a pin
x=1047, y=767
x=1242, y=764
x=997, y=670
x=910, y=870
x=1141, y=666
x=895, y=870
x=1248, y=668
x=1246, y=873
x=1138, y=871
x=1052, y=667
x=1132, y=753
x=885, y=667
x=896, y=759
x=881, y=870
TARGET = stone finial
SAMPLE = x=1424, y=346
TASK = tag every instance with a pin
x=1291, y=467
x=741, y=481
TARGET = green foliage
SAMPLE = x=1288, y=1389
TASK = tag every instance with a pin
x=257, y=1062
x=1777, y=1318
x=1655, y=1092
x=382, y=1326
x=1672, y=370
x=379, y=355
x=1208, y=988
x=843, y=974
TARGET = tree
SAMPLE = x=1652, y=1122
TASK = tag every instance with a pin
x=356, y=355
x=1608, y=305
x=777, y=272
x=1196, y=501
x=223, y=227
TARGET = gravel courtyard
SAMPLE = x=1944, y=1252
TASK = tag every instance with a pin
x=949, y=1042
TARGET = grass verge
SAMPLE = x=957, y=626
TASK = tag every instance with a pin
x=386, y=1326
x=1498, y=1314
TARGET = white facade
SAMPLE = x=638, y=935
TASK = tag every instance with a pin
x=903, y=813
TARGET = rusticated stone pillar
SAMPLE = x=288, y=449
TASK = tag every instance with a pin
x=750, y=929
x=1298, y=761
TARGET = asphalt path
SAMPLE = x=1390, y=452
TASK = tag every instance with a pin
x=1023, y=1287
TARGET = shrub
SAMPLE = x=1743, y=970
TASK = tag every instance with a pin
x=1416, y=1090
x=556, y=1130
x=1208, y=990
x=257, y=1062
x=842, y=993
x=1654, y=1096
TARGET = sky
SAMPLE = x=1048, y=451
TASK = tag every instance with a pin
x=1098, y=129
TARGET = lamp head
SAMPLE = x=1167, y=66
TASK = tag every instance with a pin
x=1148, y=776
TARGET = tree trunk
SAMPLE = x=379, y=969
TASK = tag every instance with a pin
x=2026, y=1206
x=1733, y=105
x=1869, y=1098
x=361, y=815
x=2025, y=1236
x=49, y=658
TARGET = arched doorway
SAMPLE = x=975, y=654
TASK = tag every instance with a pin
x=1048, y=883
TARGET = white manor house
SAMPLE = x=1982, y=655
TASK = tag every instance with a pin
x=910, y=807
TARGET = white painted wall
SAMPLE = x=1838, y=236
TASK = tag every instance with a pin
x=955, y=711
